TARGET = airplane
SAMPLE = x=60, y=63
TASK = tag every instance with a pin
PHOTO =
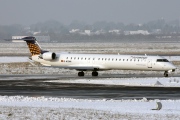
x=96, y=62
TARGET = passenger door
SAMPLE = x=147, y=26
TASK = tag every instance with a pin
x=149, y=63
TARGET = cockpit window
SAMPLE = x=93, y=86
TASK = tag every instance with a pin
x=162, y=60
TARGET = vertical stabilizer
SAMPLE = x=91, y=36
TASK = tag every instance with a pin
x=34, y=47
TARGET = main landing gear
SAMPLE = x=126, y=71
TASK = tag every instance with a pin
x=81, y=74
x=166, y=74
x=94, y=73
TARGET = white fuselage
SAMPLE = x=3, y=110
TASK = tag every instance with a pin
x=83, y=62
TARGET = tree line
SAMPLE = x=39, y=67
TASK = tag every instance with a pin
x=60, y=33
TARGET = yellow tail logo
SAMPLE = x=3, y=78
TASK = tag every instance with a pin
x=34, y=48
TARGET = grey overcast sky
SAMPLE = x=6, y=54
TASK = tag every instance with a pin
x=27, y=12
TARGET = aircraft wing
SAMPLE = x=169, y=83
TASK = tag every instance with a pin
x=79, y=67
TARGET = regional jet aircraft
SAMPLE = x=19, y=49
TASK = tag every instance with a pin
x=97, y=62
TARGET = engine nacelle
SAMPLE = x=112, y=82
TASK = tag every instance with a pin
x=49, y=56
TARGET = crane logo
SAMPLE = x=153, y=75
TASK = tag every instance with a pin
x=34, y=49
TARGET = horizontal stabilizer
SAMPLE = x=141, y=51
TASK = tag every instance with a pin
x=22, y=39
x=18, y=41
x=33, y=45
x=15, y=40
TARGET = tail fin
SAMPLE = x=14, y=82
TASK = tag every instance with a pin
x=33, y=45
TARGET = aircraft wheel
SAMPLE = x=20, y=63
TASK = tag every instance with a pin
x=81, y=73
x=94, y=73
x=165, y=74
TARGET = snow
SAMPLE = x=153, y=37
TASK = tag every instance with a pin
x=13, y=59
x=13, y=107
x=134, y=107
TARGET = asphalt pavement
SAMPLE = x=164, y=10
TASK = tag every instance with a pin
x=38, y=85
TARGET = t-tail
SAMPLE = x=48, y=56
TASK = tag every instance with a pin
x=33, y=45
x=35, y=48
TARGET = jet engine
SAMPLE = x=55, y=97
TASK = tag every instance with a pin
x=49, y=56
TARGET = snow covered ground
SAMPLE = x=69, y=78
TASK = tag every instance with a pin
x=39, y=107
x=110, y=48
x=6, y=59
x=16, y=107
